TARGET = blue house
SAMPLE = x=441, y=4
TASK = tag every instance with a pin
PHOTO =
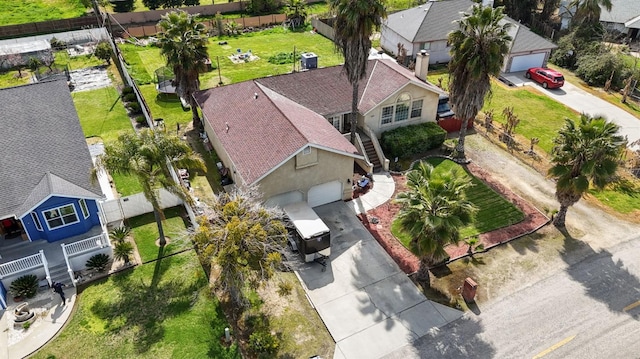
x=47, y=197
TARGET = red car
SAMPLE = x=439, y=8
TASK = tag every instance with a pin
x=547, y=77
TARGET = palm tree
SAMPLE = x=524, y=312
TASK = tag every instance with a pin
x=122, y=251
x=588, y=11
x=433, y=210
x=183, y=43
x=583, y=155
x=478, y=49
x=148, y=156
x=354, y=24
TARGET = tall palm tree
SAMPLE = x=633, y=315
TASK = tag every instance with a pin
x=183, y=42
x=434, y=208
x=355, y=22
x=148, y=156
x=478, y=48
x=584, y=155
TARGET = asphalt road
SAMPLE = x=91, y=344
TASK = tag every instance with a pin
x=588, y=306
x=591, y=310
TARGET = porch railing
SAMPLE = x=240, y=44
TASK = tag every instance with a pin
x=21, y=265
x=85, y=245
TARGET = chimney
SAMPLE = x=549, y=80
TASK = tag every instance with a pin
x=422, y=65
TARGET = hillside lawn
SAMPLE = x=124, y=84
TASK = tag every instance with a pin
x=14, y=12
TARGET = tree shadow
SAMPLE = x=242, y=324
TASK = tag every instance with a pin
x=527, y=243
x=143, y=307
x=459, y=339
x=603, y=277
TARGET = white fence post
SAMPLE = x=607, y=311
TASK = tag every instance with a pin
x=46, y=267
x=69, y=270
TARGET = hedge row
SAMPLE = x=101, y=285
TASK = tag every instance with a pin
x=407, y=141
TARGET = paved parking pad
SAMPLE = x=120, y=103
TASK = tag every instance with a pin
x=368, y=304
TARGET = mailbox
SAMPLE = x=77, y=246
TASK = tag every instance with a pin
x=469, y=290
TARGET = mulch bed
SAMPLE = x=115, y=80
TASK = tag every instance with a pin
x=409, y=263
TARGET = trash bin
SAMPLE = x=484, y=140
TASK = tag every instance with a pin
x=469, y=289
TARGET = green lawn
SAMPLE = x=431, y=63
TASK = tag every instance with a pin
x=143, y=61
x=12, y=78
x=540, y=116
x=163, y=309
x=493, y=211
x=77, y=62
x=145, y=232
x=101, y=113
x=166, y=108
x=24, y=11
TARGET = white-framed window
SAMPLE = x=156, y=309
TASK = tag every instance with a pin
x=84, y=208
x=307, y=150
x=416, y=109
x=425, y=46
x=387, y=115
x=403, y=107
x=61, y=216
x=336, y=122
x=36, y=221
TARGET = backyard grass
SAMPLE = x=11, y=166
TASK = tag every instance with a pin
x=77, y=62
x=143, y=61
x=12, y=78
x=145, y=233
x=101, y=113
x=166, y=108
x=14, y=12
x=162, y=309
x=493, y=211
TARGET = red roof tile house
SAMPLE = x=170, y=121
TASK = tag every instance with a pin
x=286, y=133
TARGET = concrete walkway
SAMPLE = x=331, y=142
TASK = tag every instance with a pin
x=369, y=306
x=380, y=193
x=52, y=315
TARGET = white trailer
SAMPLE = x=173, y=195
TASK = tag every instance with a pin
x=312, y=236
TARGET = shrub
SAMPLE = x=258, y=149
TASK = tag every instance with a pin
x=98, y=262
x=134, y=108
x=57, y=44
x=25, y=286
x=595, y=70
x=118, y=234
x=407, y=141
x=104, y=52
x=264, y=343
x=122, y=251
x=141, y=120
x=127, y=90
x=130, y=97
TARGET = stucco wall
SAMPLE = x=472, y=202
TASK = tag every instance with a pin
x=429, y=109
x=389, y=40
x=330, y=167
x=438, y=51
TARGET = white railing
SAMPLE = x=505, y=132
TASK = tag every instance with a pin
x=20, y=265
x=372, y=135
x=85, y=245
x=45, y=264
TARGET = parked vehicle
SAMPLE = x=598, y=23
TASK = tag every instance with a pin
x=444, y=111
x=548, y=78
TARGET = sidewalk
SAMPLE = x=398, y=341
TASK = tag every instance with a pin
x=381, y=192
x=52, y=315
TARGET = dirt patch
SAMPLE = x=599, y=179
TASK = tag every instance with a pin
x=410, y=263
x=91, y=78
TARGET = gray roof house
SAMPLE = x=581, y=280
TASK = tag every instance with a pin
x=47, y=197
x=426, y=27
x=624, y=17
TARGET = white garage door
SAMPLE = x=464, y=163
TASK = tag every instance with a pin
x=522, y=63
x=324, y=193
x=283, y=199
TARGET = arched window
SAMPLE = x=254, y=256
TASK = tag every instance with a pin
x=401, y=110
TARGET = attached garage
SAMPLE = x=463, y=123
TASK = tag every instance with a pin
x=324, y=193
x=283, y=199
x=524, y=62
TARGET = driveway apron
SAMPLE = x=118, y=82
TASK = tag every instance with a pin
x=368, y=304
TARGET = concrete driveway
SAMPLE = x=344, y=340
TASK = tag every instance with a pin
x=369, y=306
x=584, y=102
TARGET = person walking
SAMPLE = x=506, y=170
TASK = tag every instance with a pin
x=57, y=287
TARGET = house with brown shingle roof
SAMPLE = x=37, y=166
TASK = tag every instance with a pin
x=288, y=133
